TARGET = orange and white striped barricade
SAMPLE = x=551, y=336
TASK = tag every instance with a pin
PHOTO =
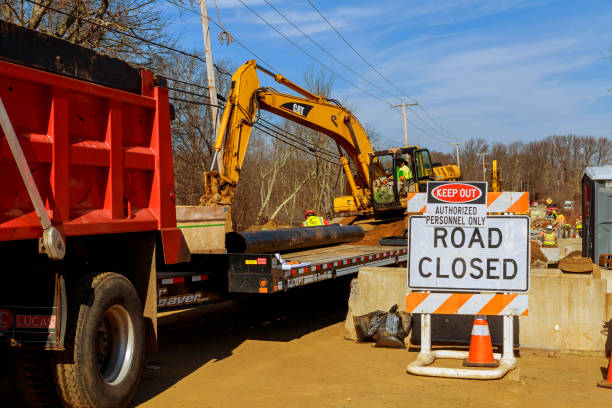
x=480, y=271
x=506, y=202
x=508, y=305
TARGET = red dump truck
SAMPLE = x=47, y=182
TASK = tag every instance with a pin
x=88, y=227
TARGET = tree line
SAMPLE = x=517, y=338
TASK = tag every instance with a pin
x=551, y=167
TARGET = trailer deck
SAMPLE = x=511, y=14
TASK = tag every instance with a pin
x=203, y=280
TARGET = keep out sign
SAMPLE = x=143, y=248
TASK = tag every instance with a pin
x=494, y=257
x=461, y=204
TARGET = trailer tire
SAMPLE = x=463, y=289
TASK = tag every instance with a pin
x=104, y=352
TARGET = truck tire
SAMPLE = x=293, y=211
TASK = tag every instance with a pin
x=102, y=364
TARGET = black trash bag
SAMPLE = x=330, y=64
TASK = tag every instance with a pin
x=387, y=329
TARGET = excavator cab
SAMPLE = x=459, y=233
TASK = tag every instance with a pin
x=396, y=172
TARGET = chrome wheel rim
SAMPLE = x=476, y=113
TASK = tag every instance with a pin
x=115, y=344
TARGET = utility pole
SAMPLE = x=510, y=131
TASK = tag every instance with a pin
x=210, y=73
x=403, y=106
x=484, y=170
x=457, y=151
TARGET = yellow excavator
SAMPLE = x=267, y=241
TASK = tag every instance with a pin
x=374, y=185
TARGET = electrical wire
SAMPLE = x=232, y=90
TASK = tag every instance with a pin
x=329, y=53
x=436, y=122
x=426, y=133
x=311, y=56
x=134, y=36
x=272, y=127
x=186, y=83
x=258, y=58
x=258, y=127
x=373, y=67
x=427, y=123
x=192, y=102
x=286, y=138
x=224, y=36
x=187, y=92
x=234, y=39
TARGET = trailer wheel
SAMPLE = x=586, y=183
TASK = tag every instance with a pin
x=102, y=364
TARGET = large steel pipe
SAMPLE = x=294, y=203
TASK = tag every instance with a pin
x=287, y=239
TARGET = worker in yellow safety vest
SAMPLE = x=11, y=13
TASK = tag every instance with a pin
x=404, y=177
x=579, y=226
x=312, y=220
x=548, y=236
x=403, y=171
x=560, y=220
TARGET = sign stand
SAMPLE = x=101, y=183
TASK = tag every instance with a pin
x=427, y=356
x=465, y=262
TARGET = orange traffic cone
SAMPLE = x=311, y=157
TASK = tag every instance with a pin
x=607, y=383
x=481, y=350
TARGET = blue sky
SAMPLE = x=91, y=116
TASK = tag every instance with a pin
x=503, y=70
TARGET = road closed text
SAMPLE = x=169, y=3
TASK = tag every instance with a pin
x=491, y=258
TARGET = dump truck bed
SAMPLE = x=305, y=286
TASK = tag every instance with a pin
x=95, y=133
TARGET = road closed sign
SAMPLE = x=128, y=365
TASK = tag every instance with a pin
x=489, y=258
x=462, y=204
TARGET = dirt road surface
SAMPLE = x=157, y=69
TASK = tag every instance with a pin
x=289, y=351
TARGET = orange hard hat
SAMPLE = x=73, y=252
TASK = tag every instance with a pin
x=309, y=213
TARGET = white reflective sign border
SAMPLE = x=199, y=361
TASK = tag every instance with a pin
x=494, y=258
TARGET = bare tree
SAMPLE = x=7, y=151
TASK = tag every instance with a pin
x=121, y=28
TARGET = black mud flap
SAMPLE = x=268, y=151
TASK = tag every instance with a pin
x=33, y=309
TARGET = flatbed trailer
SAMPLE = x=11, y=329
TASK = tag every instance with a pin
x=213, y=277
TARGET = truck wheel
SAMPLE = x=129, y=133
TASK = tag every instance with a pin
x=102, y=364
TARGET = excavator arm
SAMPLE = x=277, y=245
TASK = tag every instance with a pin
x=246, y=99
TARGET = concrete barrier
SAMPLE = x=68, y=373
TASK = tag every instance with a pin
x=566, y=311
x=377, y=288
x=204, y=228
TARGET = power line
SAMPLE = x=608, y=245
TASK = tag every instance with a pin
x=436, y=122
x=258, y=127
x=191, y=102
x=368, y=63
x=268, y=124
x=186, y=83
x=287, y=138
x=135, y=36
x=234, y=39
x=427, y=123
x=312, y=147
x=259, y=59
x=310, y=55
x=329, y=53
x=187, y=92
x=426, y=133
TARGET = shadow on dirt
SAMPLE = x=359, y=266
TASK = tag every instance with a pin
x=192, y=338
